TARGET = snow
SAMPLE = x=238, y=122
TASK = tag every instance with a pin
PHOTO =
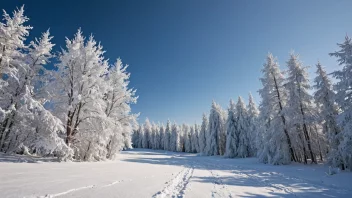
x=151, y=173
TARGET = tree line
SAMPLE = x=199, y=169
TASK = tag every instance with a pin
x=297, y=120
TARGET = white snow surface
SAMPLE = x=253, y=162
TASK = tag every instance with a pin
x=151, y=173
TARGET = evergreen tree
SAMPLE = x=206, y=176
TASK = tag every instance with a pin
x=216, y=129
x=325, y=99
x=174, y=139
x=344, y=99
x=278, y=148
x=176, y=132
x=187, y=137
x=162, y=137
x=195, y=142
x=141, y=136
x=147, y=134
x=242, y=129
x=184, y=135
x=167, y=136
x=231, y=136
x=300, y=107
x=202, y=134
x=253, y=114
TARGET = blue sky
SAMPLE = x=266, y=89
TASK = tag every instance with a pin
x=183, y=54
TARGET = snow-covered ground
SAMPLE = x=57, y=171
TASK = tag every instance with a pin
x=148, y=173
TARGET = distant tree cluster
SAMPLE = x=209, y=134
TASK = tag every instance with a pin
x=78, y=110
x=297, y=121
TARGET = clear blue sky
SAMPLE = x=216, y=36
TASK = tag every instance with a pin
x=183, y=54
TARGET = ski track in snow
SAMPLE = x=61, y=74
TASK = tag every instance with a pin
x=80, y=188
x=66, y=192
x=219, y=188
x=176, y=187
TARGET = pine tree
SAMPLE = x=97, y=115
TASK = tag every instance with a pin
x=253, y=114
x=344, y=99
x=187, y=137
x=216, y=129
x=184, y=135
x=174, y=139
x=157, y=136
x=135, y=137
x=152, y=136
x=176, y=136
x=278, y=148
x=242, y=129
x=222, y=136
x=325, y=99
x=300, y=106
x=167, y=136
x=141, y=136
x=195, y=142
x=162, y=137
x=231, y=136
x=202, y=134
x=147, y=140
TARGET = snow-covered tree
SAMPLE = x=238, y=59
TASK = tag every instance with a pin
x=90, y=103
x=141, y=136
x=157, y=136
x=202, y=133
x=187, y=136
x=194, y=140
x=13, y=33
x=231, y=136
x=119, y=121
x=77, y=95
x=242, y=129
x=174, y=138
x=135, y=137
x=222, y=136
x=216, y=131
x=328, y=110
x=278, y=145
x=300, y=108
x=184, y=129
x=152, y=137
x=167, y=136
x=24, y=122
x=253, y=114
x=162, y=137
x=147, y=140
x=344, y=98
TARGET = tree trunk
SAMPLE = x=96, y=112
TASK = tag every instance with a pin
x=85, y=155
x=305, y=130
x=7, y=129
x=288, y=139
x=69, y=129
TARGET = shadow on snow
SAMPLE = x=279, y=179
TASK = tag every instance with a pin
x=279, y=181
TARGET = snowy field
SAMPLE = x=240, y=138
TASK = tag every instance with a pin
x=149, y=173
